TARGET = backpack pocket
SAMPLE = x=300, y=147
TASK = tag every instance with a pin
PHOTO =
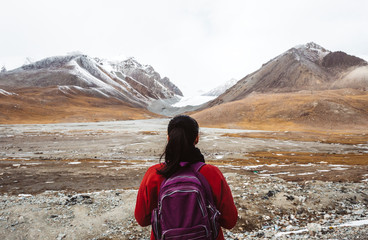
x=193, y=233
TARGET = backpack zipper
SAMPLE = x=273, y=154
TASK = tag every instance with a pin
x=214, y=219
x=156, y=232
x=170, y=179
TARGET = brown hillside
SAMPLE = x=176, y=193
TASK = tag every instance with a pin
x=320, y=110
x=48, y=105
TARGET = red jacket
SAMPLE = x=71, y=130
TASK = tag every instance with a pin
x=147, y=198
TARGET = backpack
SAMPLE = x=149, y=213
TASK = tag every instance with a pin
x=186, y=208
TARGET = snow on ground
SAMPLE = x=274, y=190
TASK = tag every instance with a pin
x=309, y=228
x=3, y=92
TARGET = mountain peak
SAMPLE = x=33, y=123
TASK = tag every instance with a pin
x=308, y=52
x=311, y=46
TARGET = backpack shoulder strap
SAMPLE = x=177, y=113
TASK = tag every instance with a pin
x=196, y=167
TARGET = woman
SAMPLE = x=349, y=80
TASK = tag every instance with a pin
x=182, y=138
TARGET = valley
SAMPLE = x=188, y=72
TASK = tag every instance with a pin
x=77, y=134
x=91, y=171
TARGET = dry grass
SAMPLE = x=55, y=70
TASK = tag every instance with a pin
x=50, y=106
x=333, y=110
x=149, y=132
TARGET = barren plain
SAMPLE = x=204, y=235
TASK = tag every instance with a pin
x=79, y=180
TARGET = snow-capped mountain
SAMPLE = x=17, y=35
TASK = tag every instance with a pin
x=304, y=67
x=127, y=80
x=217, y=91
x=306, y=87
x=77, y=87
x=144, y=74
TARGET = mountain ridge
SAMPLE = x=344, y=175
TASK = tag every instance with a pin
x=68, y=79
x=81, y=72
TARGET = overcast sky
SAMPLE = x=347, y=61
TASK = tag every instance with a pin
x=197, y=44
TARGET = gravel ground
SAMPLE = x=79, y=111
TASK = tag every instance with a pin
x=79, y=181
x=268, y=208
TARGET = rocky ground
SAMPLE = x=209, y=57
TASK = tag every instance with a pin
x=79, y=181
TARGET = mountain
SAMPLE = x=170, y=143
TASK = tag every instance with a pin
x=305, y=87
x=79, y=81
x=304, y=67
x=217, y=91
x=144, y=74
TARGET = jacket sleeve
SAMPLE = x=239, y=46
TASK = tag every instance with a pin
x=147, y=198
x=222, y=195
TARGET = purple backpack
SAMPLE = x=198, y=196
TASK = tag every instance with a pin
x=186, y=208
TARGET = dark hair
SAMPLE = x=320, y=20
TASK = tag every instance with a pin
x=182, y=133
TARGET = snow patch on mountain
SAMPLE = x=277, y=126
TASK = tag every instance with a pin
x=311, y=51
x=50, y=62
x=142, y=74
x=311, y=46
x=98, y=83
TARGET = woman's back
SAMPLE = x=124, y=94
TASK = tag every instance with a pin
x=182, y=138
x=148, y=193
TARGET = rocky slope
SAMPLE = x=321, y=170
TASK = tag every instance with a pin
x=79, y=81
x=304, y=67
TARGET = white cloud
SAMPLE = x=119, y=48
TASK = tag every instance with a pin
x=197, y=44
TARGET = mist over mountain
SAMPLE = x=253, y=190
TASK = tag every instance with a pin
x=217, y=91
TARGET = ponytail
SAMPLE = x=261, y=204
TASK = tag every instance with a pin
x=182, y=133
